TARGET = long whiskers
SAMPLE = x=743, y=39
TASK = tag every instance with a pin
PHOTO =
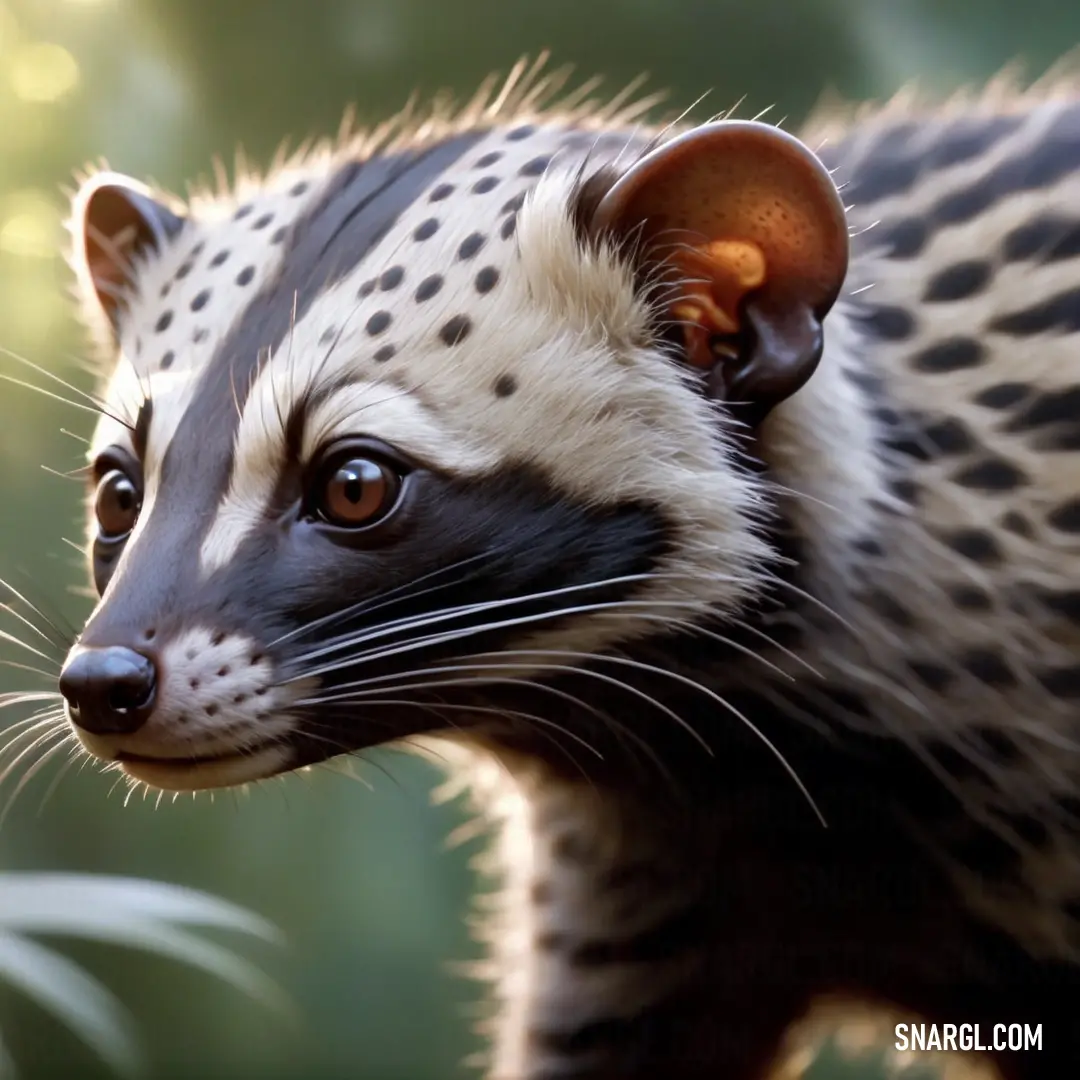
x=60, y=737
x=357, y=691
x=653, y=669
x=406, y=592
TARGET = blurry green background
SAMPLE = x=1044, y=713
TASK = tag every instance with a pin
x=362, y=880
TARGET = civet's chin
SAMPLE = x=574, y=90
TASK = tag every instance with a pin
x=383, y=435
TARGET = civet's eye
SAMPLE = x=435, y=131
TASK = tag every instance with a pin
x=117, y=502
x=354, y=490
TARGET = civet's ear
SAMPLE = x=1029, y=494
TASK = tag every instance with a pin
x=746, y=229
x=113, y=220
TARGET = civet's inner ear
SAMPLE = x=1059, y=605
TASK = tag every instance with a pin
x=746, y=229
x=114, y=219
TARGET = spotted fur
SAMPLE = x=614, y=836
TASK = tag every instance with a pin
x=886, y=604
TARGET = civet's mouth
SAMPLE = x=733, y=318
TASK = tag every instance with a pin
x=208, y=771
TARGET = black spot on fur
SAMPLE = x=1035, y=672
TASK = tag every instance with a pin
x=535, y=167
x=1066, y=602
x=366, y=289
x=220, y=257
x=506, y=230
x=262, y=221
x=504, y=386
x=571, y=847
x=471, y=245
x=958, y=282
x=846, y=703
x=1047, y=238
x=378, y=322
x=1065, y=517
x=391, y=279
x=891, y=167
x=978, y=545
x=992, y=475
x=1003, y=395
x=167, y=360
x=905, y=489
x=933, y=676
x=904, y=239
x=890, y=609
x=513, y=205
x=245, y=275
x=1062, y=682
x=953, y=354
x=868, y=545
x=1056, y=411
x=487, y=279
x=384, y=353
x=184, y=270
x=542, y=892
x=1056, y=155
x=426, y=229
x=1017, y=524
x=970, y=598
x=1000, y=744
x=488, y=159
x=888, y=323
x=164, y=322
x=550, y=941
x=485, y=184
x=949, y=436
x=200, y=300
x=1058, y=440
x=966, y=139
x=1059, y=313
x=428, y=287
x=988, y=666
x=443, y=191
x=864, y=380
x=455, y=330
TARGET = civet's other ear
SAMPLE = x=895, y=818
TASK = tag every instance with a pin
x=745, y=228
x=113, y=220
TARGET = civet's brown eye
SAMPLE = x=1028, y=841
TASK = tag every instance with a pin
x=116, y=503
x=357, y=491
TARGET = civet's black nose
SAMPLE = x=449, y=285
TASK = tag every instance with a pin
x=109, y=691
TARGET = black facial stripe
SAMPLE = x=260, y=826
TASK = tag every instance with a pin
x=359, y=205
x=507, y=536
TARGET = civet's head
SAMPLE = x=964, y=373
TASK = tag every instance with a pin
x=383, y=432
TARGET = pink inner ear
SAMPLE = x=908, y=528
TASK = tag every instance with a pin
x=119, y=219
x=738, y=181
x=113, y=228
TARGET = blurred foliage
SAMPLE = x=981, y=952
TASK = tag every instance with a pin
x=360, y=879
